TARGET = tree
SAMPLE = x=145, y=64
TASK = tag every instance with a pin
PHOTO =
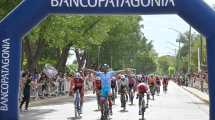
x=119, y=38
x=7, y=6
x=165, y=62
x=121, y=45
x=196, y=43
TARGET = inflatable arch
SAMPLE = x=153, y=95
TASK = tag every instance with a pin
x=30, y=12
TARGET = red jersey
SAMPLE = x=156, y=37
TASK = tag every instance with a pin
x=78, y=83
x=142, y=88
x=97, y=84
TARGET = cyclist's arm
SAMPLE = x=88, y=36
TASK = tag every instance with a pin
x=90, y=70
x=120, y=72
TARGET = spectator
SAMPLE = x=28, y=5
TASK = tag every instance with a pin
x=26, y=93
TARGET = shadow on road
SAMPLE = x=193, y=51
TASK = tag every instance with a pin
x=34, y=114
x=74, y=118
x=123, y=111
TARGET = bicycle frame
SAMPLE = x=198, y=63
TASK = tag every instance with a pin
x=123, y=99
x=113, y=95
x=104, y=108
x=131, y=95
x=77, y=103
x=142, y=105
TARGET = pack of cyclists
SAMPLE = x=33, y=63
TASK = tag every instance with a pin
x=108, y=83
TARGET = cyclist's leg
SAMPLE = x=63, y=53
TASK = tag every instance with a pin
x=103, y=98
x=129, y=93
x=102, y=102
x=98, y=98
x=148, y=97
x=110, y=100
x=140, y=104
x=81, y=99
x=115, y=91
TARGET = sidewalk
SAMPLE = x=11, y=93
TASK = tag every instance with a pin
x=201, y=95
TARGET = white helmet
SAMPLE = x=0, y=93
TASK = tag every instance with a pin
x=98, y=78
x=122, y=76
x=77, y=75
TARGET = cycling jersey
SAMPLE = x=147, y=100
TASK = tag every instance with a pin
x=142, y=88
x=151, y=81
x=97, y=84
x=131, y=82
x=78, y=83
x=165, y=81
x=113, y=83
x=105, y=80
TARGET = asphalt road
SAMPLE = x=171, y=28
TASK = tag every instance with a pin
x=177, y=104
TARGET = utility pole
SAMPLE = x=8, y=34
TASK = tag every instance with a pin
x=98, y=55
x=189, y=50
x=111, y=61
x=201, y=49
x=179, y=54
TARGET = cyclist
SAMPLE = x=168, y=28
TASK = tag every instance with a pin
x=152, y=86
x=131, y=87
x=142, y=88
x=158, y=84
x=123, y=88
x=97, y=89
x=78, y=84
x=113, y=88
x=105, y=76
x=165, y=83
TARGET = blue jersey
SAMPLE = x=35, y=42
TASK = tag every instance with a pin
x=106, y=81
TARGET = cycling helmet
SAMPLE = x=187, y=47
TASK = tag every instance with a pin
x=77, y=75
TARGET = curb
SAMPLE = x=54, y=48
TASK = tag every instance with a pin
x=197, y=95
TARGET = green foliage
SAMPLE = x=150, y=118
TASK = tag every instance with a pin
x=124, y=46
x=121, y=42
x=72, y=68
x=165, y=62
x=171, y=70
x=7, y=6
x=195, y=44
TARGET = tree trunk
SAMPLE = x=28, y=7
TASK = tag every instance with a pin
x=61, y=64
x=34, y=51
x=81, y=57
x=33, y=57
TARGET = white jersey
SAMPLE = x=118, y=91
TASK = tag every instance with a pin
x=123, y=83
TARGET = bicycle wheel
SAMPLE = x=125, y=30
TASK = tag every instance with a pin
x=122, y=100
x=132, y=97
x=143, y=108
x=106, y=111
x=113, y=96
x=77, y=104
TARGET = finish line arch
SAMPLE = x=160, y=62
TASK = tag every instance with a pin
x=30, y=12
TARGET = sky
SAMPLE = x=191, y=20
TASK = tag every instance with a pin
x=158, y=28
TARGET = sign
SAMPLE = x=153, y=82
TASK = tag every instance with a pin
x=112, y=3
x=5, y=72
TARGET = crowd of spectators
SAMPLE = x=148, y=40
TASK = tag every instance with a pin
x=198, y=80
x=43, y=87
